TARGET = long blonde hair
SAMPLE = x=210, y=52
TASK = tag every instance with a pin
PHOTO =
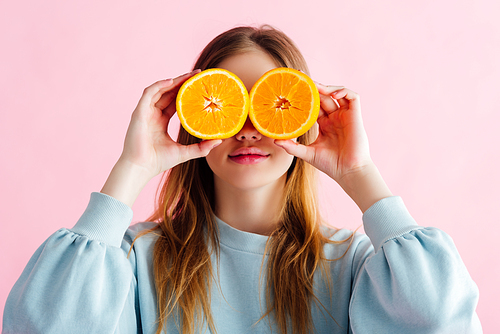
x=188, y=232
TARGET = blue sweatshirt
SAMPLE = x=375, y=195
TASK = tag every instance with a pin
x=398, y=278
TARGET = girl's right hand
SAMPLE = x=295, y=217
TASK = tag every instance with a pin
x=147, y=143
x=149, y=150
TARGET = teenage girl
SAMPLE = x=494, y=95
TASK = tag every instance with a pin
x=237, y=244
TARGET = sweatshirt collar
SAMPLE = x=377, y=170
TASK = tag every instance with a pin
x=240, y=240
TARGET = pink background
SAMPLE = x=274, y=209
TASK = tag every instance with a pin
x=71, y=72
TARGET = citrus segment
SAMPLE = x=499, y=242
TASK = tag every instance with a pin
x=213, y=104
x=284, y=103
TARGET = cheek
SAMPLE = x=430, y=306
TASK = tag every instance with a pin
x=289, y=161
x=212, y=159
x=285, y=160
x=217, y=158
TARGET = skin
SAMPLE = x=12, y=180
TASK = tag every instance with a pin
x=251, y=189
x=246, y=194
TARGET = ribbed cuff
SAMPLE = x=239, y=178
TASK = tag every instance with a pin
x=387, y=219
x=106, y=219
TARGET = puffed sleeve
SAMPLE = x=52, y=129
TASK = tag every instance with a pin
x=79, y=280
x=413, y=282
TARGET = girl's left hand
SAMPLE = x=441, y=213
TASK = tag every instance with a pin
x=341, y=147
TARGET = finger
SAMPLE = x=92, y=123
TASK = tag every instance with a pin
x=152, y=90
x=327, y=90
x=347, y=98
x=164, y=97
x=167, y=101
x=170, y=109
x=328, y=104
x=300, y=151
x=153, y=93
x=198, y=150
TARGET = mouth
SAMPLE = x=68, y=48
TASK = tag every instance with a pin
x=248, y=156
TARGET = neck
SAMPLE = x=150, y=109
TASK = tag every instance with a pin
x=250, y=210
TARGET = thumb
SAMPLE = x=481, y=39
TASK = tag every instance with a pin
x=300, y=151
x=199, y=150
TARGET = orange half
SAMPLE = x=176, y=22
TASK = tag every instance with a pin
x=213, y=104
x=284, y=103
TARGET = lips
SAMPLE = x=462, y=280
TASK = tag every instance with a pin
x=248, y=156
x=248, y=151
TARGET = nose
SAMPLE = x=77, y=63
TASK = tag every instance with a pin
x=248, y=132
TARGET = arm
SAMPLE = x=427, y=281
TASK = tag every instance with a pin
x=79, y=284
x=341, y=150
x=148, y=149
x=80, y=280
x=414, y=281
x=365, y=186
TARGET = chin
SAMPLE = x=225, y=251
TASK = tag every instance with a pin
x=250, y=181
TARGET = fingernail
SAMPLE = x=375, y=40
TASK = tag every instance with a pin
x=191, y=73
x=217, y=144
x=278, y=142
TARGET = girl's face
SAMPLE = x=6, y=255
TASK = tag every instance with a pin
x=249, y=160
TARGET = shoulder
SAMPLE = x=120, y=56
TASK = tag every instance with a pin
x=142, y=235
x=137, y=228
x=344, y=243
